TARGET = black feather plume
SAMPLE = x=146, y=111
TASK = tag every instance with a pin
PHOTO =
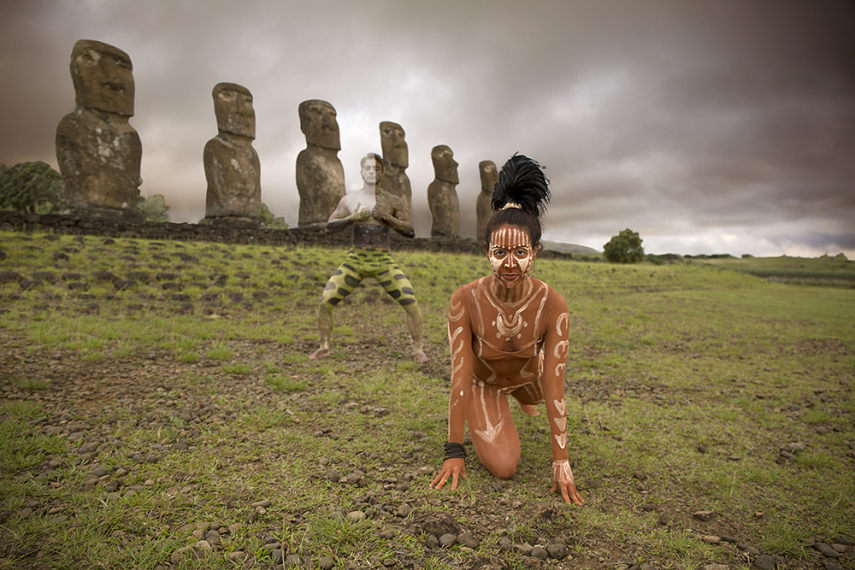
x=521, y=181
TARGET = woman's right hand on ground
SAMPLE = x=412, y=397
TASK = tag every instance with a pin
x=453, y=468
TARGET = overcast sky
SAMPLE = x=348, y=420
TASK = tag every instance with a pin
x=705, y=126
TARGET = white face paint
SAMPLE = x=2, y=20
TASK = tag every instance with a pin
x=511, y=255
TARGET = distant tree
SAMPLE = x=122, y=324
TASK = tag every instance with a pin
x=269, y=221
x=624, y=248
x=31, y=187
x=154, y=208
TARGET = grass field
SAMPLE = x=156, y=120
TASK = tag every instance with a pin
x=158, y=410
x=834, y=271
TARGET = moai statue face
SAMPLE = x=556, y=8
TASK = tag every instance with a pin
x=318, y=123
x=103, y=78
x=394, y=146
x=489, y=175
x=444, y=164
x=233, y=107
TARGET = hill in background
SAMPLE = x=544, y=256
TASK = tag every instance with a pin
x=569, y=247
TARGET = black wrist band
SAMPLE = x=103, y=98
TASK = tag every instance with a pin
x=454, y=451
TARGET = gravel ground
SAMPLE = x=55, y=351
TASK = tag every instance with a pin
x=108, y=398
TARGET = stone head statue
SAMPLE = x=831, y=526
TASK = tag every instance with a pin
x=318, y=123
x=394, y=146
x=442, y=196
x=102, y=77
x=489, y=175
x=233, y=108
x=320, y=175
x=98, y=151
x=444, y=164
x=232, y=167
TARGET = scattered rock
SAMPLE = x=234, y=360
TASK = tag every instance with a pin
x=435, y=523
x=764, y=562
x=104, y=276
x=826, y=550
x=748, y=548
x=557, y=550
x=466, y=539
x=10, y=276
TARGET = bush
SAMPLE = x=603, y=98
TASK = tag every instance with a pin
x=154, y=208
x=31, y=187
x=664, y=258
x=624, y=248
x=269, y=221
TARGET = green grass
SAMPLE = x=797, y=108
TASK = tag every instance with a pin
x=286, y=384
x=829, y=271
x=684, y=383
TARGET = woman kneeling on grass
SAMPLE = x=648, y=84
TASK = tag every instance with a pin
x=508, y=334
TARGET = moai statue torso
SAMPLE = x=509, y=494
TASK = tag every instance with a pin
x=442, y=196
x=232, y=168
x=98, y=151
x=320, y=175
x=396, y=159
x=489, y=177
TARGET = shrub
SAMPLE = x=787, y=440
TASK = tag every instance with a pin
x=268, y=220
x=31, y=187
x=154, y=208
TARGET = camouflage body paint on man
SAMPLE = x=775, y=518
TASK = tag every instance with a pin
x=371, y=212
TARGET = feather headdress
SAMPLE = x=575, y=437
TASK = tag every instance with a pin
x=522, y=185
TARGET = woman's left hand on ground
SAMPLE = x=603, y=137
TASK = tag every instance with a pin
x=563, y=477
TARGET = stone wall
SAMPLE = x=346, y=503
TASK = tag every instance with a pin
x=75, y=224
x=231, y=233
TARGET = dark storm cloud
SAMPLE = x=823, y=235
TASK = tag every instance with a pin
x=704, y=126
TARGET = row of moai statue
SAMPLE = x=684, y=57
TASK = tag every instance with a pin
x=100, y=153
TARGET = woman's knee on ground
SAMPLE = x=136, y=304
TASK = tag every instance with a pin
x=501, y=465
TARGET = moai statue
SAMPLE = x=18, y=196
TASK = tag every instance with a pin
x=442, y=196
x=320, y=175
x=232, y=168
x=489, y=177
x=98, y=151
x=396, y=159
